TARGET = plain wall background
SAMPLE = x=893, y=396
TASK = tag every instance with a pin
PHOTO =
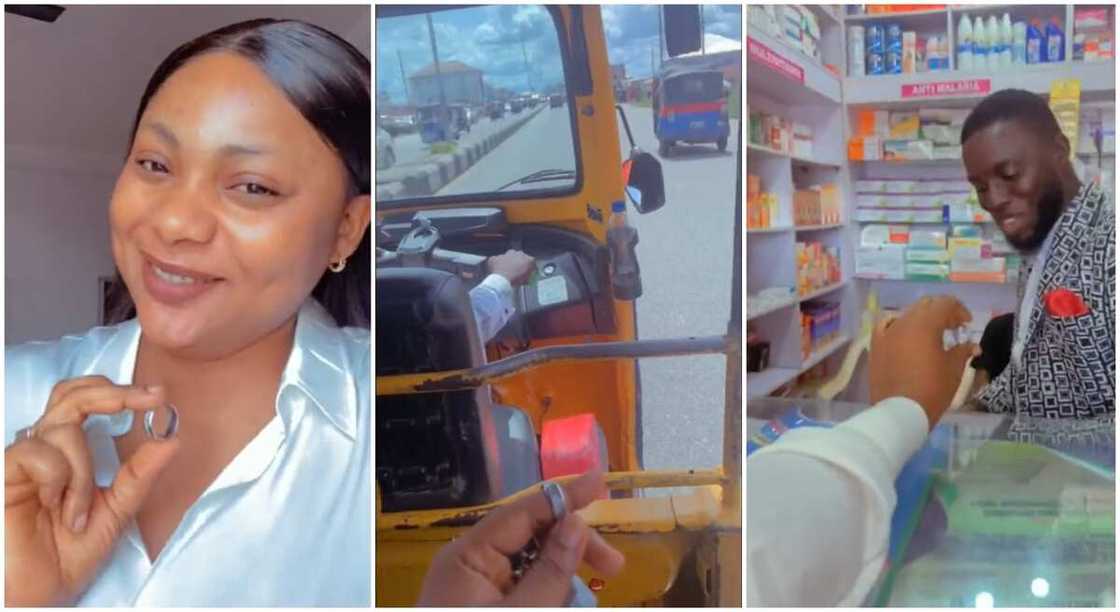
x=71, y=89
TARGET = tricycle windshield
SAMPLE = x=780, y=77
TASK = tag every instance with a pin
x=503, y=58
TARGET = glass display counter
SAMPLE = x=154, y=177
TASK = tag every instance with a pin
x=1003, y=511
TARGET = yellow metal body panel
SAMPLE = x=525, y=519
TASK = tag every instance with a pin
x=657, y=535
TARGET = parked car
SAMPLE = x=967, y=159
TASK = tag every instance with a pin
x=496, y=110
x=516, y=105
x=555, y=101
x=386, y=156
x=398, y=124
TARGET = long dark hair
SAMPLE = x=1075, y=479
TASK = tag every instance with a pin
x=327, y=79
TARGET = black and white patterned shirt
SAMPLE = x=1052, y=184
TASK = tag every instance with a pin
x=1068, y=365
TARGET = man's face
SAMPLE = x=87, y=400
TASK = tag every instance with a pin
x=1015, y=175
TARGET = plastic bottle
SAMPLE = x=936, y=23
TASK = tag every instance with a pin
x=622, y=238
x=964, y=45
x=979, y=45
x=1034, y=42
x=995, y=43
x=1055, y=41
x=1019, y=43
x=1006, y=40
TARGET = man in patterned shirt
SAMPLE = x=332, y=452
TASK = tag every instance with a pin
x=1063, y=358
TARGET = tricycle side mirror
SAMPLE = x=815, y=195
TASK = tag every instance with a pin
x=645, y=183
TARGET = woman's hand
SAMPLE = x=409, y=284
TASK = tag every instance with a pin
x=59, y=526
x=908, y=357
x=474, y=569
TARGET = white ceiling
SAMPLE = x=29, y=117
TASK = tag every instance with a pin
x=72, y=86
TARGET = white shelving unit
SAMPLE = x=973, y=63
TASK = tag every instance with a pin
x=797, y=87
x=784, y=81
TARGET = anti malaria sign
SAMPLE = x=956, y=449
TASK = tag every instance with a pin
x=965, y=87
x=774, y=61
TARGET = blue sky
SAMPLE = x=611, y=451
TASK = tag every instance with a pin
x=490, y=38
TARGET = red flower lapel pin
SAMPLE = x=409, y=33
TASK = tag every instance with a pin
x=1065, y=304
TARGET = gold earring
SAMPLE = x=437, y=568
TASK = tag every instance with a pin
x=339, y=266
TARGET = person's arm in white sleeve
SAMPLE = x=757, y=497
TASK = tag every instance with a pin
x=819, y=505
x=492, y=303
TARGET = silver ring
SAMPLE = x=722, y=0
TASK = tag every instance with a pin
x=557, y=501
x=172, y=425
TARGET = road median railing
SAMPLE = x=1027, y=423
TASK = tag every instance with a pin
x=426, y=177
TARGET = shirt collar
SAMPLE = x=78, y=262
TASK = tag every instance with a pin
x=319, y=366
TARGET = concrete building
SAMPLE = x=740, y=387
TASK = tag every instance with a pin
x=461, y=84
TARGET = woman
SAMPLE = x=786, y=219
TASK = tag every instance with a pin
x=240, y=229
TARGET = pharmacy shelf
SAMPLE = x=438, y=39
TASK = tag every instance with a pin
x=796, y=300
x=814, y=162
x=792, y=301
x=926, y=222
x=823, y=291
x=905, y=16
x=769, y=230
x=928, y=163
x=760, y=384
x=826, y=13
x=819, y=228
x=772, y=152
x=825, y=352
x=1098, y=80
x=930, y=282
x=817, y=86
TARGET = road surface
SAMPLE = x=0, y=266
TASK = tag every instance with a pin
x=543, y=143
x=685, y=256
x=409, y=149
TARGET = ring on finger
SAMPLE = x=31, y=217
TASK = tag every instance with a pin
x=557, y=501
x=26, y=433
x=172, y=423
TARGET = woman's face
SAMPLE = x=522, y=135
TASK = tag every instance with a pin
x=228, y=210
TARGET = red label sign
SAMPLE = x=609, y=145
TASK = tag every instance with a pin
x=774, y=61
x=967, y=87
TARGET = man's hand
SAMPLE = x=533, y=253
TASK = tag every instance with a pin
x=474, y=569
x=908, y=358
x=514, y=265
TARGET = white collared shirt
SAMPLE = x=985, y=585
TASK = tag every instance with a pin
x=287, y=523
x=492, y=303
x=818, y=523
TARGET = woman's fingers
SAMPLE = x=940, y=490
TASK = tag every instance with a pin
x=601, y=556
x=548, y=582
x=34, y=467
x=70, y=440
x=133, y=482
x=68, y=385
x=77, y=403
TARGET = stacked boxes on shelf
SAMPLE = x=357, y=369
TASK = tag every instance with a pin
x=927, y=134
x=820, y=324
x=1093, y=36
x=817, y=205
x=792, y=24
x=958, y=253
x=818, y=266
x=781, y=135
x=906, y=201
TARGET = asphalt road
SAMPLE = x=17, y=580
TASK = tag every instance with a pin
x=544, y=143
x=409, y=149
x=685, y=254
